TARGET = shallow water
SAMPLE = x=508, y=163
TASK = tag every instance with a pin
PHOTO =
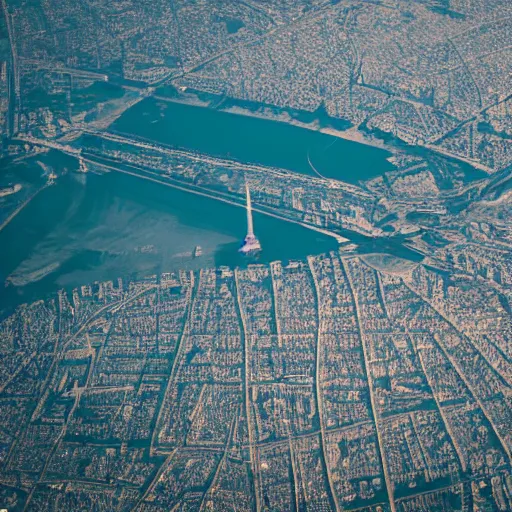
x=99, y=227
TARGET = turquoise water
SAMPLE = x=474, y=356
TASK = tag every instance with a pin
x=253, y=140
x=99, y=227
x=93, y=227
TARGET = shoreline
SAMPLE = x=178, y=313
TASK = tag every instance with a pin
x=340, y=239
x=22, y=205
x=472, y=163
x=352, y=133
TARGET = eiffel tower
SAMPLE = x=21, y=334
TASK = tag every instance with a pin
x=250, y=244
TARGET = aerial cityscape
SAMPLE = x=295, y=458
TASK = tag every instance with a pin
x=256, y=255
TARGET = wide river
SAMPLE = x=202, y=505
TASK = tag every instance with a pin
x=95, y=227
x=253, y=140
x=92, y=227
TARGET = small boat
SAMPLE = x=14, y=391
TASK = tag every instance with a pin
x=198, y=251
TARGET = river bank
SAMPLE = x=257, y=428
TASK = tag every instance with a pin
x=98, y=227
x=254, y=140
x=318, y=121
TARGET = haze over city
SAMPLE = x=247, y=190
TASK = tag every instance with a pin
x=256, y=255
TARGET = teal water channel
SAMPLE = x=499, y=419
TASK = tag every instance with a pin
x=92, y=227
x=252, y=140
